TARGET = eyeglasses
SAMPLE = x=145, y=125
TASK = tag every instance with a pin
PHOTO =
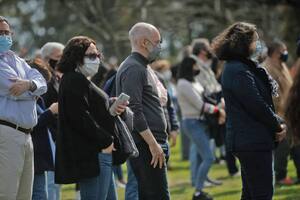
x=5, y=32
x=93, y=56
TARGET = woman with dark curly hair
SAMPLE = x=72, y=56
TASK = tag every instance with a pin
x=86, y=127
x=253, y=128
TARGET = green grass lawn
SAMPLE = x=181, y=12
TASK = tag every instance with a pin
x=180, y=187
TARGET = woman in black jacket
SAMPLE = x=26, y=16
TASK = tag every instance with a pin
x=253, y=128
x=293, y=113
x=86, y=127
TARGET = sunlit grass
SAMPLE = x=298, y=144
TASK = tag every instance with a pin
x=181, y=189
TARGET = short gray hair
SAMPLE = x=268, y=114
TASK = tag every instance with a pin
x=48, y=48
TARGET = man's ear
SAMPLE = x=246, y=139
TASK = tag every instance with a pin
x=143, y=43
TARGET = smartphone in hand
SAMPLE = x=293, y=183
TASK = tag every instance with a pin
x=122, y=99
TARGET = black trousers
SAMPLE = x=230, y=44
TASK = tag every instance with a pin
x=257, y=175
x=229, y=157
x=281, y=159
x=152, y=182
x=231, y=163
x=295, y=153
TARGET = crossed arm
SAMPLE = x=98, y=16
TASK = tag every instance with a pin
x=20, y=89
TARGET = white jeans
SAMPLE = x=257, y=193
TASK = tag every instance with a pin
x=16, y=164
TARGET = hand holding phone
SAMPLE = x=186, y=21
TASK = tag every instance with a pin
x=121, y=101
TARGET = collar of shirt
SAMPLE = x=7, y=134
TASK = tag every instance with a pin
x=10, y=59
x=7, y=53
x=140, y=58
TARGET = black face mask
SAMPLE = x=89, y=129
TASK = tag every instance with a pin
x=209, y=55
x=53, y=63
x=284, y=56
x=196, y=72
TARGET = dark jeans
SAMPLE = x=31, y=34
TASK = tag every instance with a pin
x=185, y=144
x=152, y=182
x=101, y=187
x=118, y=172
x=257, y=175
x=131, y=190
x=39, y=187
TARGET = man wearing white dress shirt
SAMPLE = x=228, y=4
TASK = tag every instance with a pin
x=20, y=85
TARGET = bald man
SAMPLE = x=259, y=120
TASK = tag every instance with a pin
x=137, y=79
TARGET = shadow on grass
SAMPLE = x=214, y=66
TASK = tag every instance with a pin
x=226, y=193
x=222, y=178
x=179, y=188
x=178, y=167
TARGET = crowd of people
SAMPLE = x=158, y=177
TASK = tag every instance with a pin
x=60, y=122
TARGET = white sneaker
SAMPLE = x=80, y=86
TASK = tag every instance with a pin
x=120, y=184
x=207, y=184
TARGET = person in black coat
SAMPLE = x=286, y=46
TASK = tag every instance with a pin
x=51, y=53
x=86, y=127
x=253, y=128
x=43, y=159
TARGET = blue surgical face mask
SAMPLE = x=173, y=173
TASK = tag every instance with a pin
x=258, y=50
x=5, y=43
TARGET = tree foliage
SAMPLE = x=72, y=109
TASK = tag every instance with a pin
x=108, y=21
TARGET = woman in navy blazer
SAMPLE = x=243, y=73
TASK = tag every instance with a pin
x=253, y=128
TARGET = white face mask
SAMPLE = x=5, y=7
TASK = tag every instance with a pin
x=167, y=75
x=90, y=67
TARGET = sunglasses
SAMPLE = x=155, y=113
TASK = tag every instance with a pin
x=93, y=56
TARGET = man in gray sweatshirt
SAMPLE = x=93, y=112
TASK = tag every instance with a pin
x=134, y=78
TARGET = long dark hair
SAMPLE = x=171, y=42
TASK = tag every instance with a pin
x=234, y=41
x=293, y=108
x=186, y=69
x=74, y=53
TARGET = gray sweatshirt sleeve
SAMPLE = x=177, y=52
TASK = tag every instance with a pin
x=186, y=88
x=133, y=82
x=195, y=99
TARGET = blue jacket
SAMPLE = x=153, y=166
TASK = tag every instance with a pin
x=251, y=121
x=43, y=160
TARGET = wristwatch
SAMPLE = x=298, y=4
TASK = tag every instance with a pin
x=32, y=86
